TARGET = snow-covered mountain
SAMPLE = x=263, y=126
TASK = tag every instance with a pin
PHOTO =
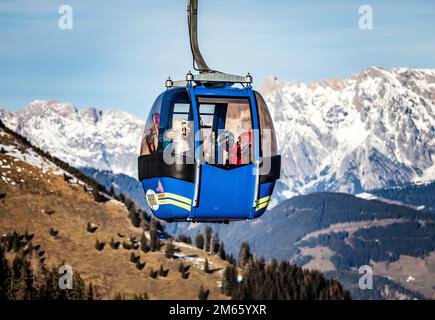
x=372, y=130
x=104, y=140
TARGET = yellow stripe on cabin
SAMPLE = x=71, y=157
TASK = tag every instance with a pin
x=175, y=196
x=261, y=203
x=261, y=206
x=175, y=203
x=262, y=200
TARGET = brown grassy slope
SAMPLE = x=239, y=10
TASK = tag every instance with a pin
x=35, y=193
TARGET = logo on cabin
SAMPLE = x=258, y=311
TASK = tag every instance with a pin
x=152, y=200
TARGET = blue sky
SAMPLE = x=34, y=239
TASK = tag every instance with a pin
x=120, y=52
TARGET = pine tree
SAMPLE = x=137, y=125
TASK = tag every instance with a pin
x=181, y=267
x=155, y=225
x=99, y=245
x=206, y=267
x=245, y=254
x=221, y=253
x=140, y=265
x=154, y=240
x=208, y=235
x=90, y=293
x=230, y=259
x=134, y=258
x=78, y=291
x=18, y=285
x=28, y=236
x=65, y=177
x=143, y=243
x=134, y=216
x=203, y=294
x=28, y=279
x=185, y=239
x=5, y=275
x=97, y=195
x=153, y=274
x=199, y=241
x=126, y=245
x=229, y=283
x=216, y=243
x=54, y=233
x=170, y=249
x=91, y=228
x=118, y=296
x=16, y=244
x=142, y=296
x=163, y=272
x=122, y=198
x=114, y=244
x=244, y=291
x=9, y=243
x=183, y=270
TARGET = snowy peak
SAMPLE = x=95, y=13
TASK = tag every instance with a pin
x=104, y=140
x=374, y=129
x=371, y=130
x=91, y=115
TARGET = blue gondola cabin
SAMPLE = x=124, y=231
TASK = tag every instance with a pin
x=209, y=154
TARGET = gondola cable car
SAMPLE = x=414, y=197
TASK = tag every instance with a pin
x=209, y=151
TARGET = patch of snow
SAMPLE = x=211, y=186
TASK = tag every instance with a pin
x=195, y=260
x=114, y=201
x=366, y=196
x=35, y=160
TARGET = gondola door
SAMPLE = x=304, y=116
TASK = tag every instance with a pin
x=227, y=149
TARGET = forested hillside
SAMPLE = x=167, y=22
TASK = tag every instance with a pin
x=337, y=233
x=418, y=195
x=105, y=238
x=51, y=215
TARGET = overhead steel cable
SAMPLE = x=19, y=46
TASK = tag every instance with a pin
x=199, y=63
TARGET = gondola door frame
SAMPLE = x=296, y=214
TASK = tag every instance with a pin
x=249, y=93
x=197, y=151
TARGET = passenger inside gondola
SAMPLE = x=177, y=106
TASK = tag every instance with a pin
x=227, y=130
x=150, y=139
x=178, y=139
